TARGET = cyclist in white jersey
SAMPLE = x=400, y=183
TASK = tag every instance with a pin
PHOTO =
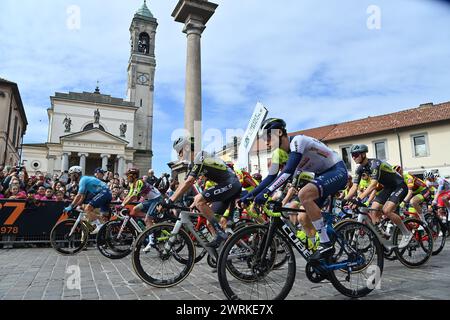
x=308, y=154
x=442, y=195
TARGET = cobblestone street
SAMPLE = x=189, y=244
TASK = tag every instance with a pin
x=38, y=274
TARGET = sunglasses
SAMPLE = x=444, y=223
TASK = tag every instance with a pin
x=355, y=155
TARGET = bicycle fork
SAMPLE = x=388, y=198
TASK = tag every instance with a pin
x=77, y=222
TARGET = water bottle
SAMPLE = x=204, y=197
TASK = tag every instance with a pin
x=141, y=225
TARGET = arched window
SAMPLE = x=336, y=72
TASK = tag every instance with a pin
x=91, y=126
x=144, y=43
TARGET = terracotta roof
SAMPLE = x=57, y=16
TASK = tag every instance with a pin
x=319, y=133
x=425, y=114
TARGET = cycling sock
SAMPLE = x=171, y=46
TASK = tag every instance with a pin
x=321, y=227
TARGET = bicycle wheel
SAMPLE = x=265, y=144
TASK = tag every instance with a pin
x=159, y=267
x=438, y=233
x=357, y=265
x=111, y=245
x=65, y=244
x=419, y=249
x=244, y=274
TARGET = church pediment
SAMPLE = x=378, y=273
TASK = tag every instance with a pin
x=97, y=135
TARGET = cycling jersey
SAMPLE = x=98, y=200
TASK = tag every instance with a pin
x=380, y=171
x=414, y=183
x=144, y=189
x=316, y=156
x=363, y=184
x=91, y=185
x=213, y=169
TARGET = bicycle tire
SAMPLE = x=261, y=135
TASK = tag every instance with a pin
x=370, y=271
x=423, y=240
x=438, y=233
x=253, y=236
x=162, y=232
x=61, y=242
x=109, y=247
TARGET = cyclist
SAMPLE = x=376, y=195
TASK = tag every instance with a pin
x=220, y=196
x=418, y=192
x=386, y=201
x=311, y=155
x=442, y=194
x=151, y=198
x=92, y=192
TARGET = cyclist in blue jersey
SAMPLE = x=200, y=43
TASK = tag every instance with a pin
x=92, y=192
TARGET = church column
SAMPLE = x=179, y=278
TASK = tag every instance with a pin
x=83, y=157
x=65, y=162
x=105, y=158
x=121, y=165
x=51, y=164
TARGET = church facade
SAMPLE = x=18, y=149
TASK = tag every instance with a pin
x=92, y=129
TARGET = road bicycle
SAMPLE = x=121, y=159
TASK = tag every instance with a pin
x=246, y=262
x=415, y=254
x=70, y=236
x=439, y=227
x=172, y=256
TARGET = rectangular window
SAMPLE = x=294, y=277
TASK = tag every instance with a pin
x=15, y=131
x=345, y=151
x=380, y=150
x=420, y=148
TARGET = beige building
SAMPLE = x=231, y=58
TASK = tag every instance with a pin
x=418, y=139
x=92, y=129
x=13, y=123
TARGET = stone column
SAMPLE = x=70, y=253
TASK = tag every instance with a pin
x=194, y=14
x=65, y=161
x=105, y=158
x=83, y=157
x=121, y=165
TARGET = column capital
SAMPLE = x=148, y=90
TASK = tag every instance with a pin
x=66, y=153
x=105, y=155
x=121, y=156
x=85, y=154
x=193, y=25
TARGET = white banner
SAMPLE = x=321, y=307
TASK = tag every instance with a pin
x=259, y=115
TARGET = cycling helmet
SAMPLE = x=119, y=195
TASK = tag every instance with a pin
x=359, y=148
x=75, y=169
x=134, y=171
x=398, y=169
x=230, y=165
x=181, y=142
x=430, y=175
x=257, y=176
x=272, y=123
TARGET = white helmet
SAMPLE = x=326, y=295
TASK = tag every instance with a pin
x=75, y=169
x=181, y=142
x=430, y=175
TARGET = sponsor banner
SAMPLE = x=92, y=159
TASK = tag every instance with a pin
x=259, y=115
x=25, y=218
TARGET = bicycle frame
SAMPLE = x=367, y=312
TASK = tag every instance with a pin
x=185, y=221
x=125, y=221
x=283, y=223
x=364, y=218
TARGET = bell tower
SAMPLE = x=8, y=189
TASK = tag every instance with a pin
x=141, y=76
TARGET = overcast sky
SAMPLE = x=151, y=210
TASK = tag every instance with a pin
x=310, y=62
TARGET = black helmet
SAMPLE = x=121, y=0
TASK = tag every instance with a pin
x=359, y=148
x=273, y=123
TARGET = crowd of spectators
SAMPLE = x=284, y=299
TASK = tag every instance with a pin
x=16, y=183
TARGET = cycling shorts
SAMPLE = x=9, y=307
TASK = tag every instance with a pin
x=395, y=195
x=102, y=200
x=222, y=196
